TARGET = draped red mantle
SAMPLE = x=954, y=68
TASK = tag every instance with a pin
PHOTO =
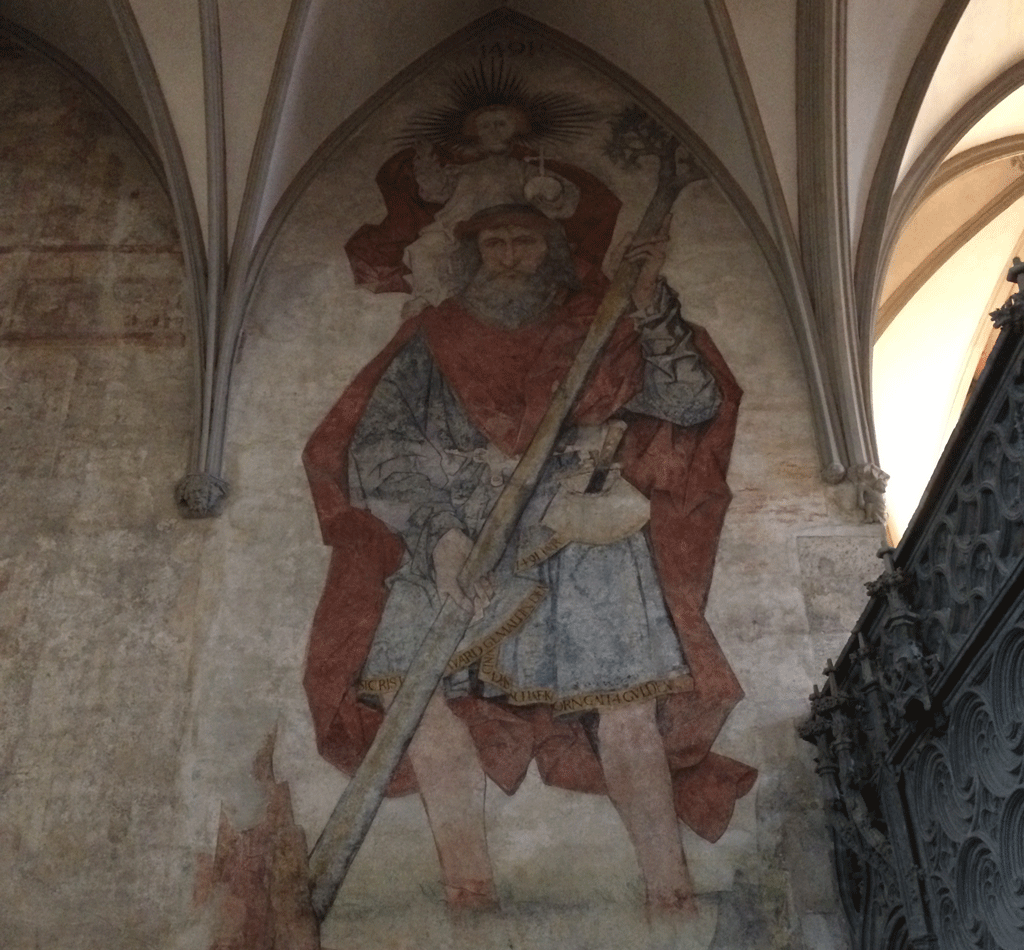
x=503, y=380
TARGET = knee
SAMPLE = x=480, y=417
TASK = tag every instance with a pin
x=629, y=721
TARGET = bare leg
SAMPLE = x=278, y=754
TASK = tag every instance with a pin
x=640, y=786
x=452, y=786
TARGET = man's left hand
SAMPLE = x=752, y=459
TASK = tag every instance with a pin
x=651, y=256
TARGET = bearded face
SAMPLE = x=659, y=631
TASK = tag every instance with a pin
x=521, y=273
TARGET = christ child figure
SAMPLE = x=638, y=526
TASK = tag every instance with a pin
x=482, y=146
x=493, y=176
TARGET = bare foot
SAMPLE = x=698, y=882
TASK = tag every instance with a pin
x=471, y=895
x=680, y=904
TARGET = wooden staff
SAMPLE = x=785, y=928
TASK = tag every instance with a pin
x=352, y=816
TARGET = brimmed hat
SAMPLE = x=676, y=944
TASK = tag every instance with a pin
x=500, y=216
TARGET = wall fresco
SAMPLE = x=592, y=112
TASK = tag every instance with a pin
x=584, y=649
x=145, y=660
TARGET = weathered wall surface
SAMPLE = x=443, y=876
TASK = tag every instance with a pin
x=97, y=573
x=144, y=659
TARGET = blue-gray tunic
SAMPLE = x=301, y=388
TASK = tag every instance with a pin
x=574, y=625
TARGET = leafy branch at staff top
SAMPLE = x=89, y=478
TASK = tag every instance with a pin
x=636, y=135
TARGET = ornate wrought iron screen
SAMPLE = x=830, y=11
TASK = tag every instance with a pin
x=920, y=725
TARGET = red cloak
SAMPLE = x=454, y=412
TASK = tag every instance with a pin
x=503, y=380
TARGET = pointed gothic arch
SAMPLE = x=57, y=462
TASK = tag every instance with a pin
x=244, y=273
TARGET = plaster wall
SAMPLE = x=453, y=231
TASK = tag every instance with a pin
x=98, y=610
x=144, y=659
x=347, y=53
x=87, y=34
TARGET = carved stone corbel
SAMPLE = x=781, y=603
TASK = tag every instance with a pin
x=200, y=495
x=870, y=482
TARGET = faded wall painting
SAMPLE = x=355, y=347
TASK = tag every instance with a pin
x=581, y=599
x=524, y=491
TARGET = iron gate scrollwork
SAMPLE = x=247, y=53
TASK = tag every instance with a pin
x=919, y=727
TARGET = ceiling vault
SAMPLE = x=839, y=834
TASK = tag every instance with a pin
x=245, y=260
x=873, y=248
x=963, y=162
x=825, y=223
x=67, y=65
x=178, y=186
x=914, y=182
x=792, y=280
x=232, y=277
x=766, y=107
x=965, y=231
x=216, y=199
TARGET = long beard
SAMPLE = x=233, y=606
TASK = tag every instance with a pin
x=510, y=301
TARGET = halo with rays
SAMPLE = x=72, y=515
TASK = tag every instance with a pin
x=553, y=116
